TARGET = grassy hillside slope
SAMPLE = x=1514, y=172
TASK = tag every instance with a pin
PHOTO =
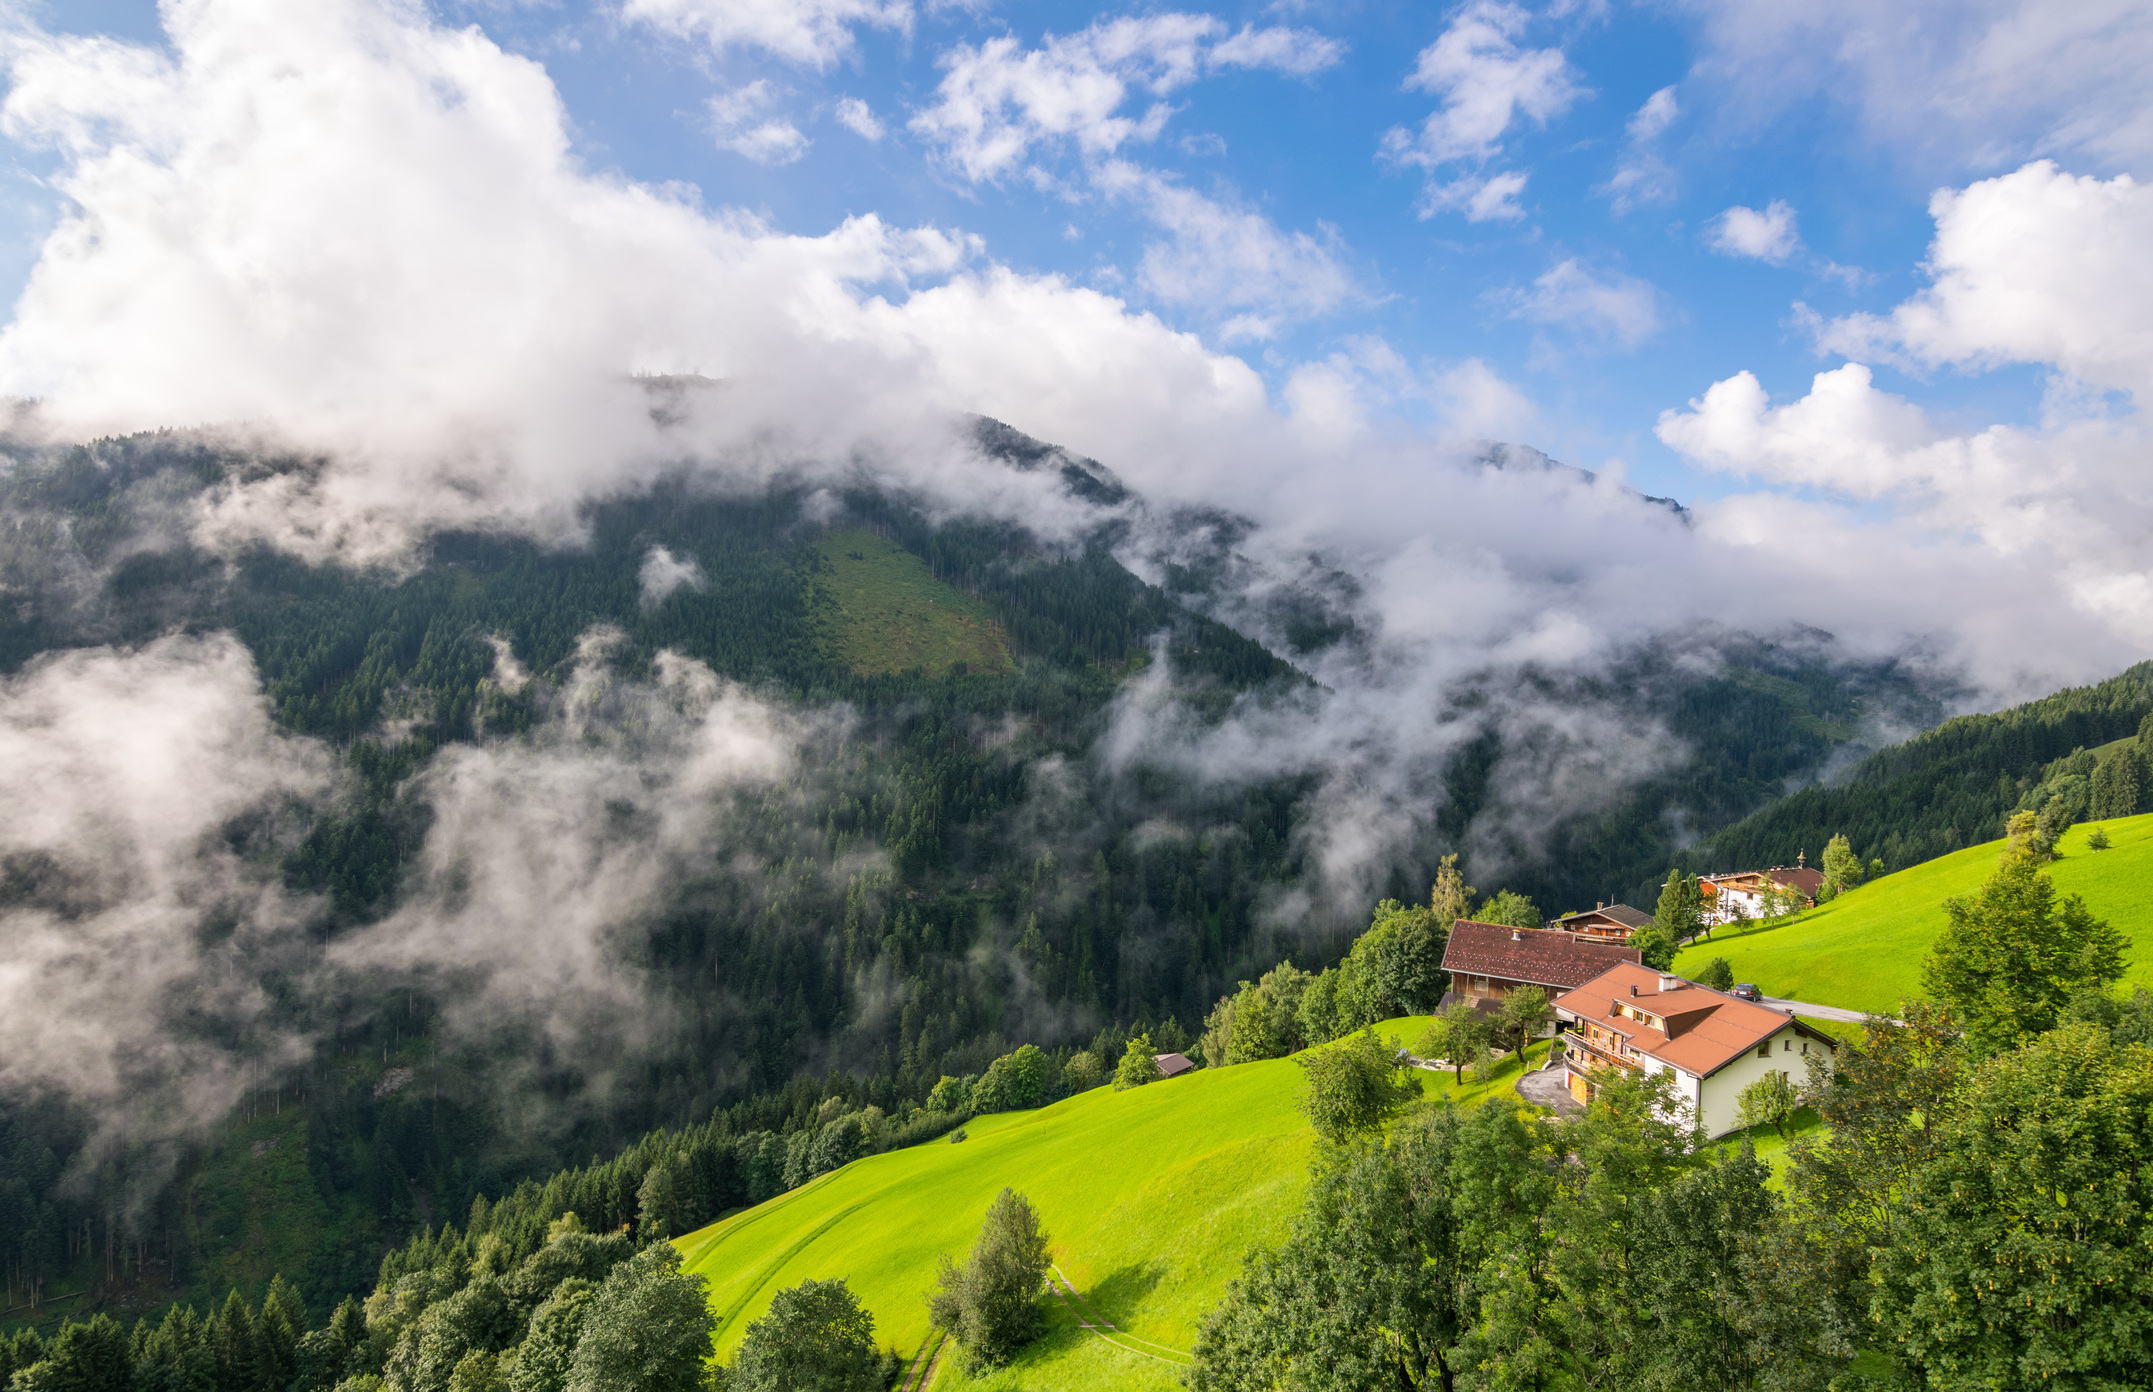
x=1863, y=951
x=1151, y=1198
x=885, y=612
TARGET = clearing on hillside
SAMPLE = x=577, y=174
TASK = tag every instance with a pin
x=1863, y=950
x=882, y=611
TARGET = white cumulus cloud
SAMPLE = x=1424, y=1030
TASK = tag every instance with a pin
x=859, y=118
x=999, y=101
x=1229, y=259
x=739, y=121
x=1643, y=176
x=1617, y=308
x=2035, y=266
x=1488, y=83
x=1761, y=236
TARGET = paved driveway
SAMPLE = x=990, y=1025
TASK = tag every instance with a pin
x=1550, y=1088
x=1814, y=1012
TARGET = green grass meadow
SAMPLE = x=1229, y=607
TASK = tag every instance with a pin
x=883, y=611
x=1151, y=1197
x=1863, y=950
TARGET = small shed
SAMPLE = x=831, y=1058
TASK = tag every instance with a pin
x=1173, y=1065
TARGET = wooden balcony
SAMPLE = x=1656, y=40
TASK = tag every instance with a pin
x=1586, y=1055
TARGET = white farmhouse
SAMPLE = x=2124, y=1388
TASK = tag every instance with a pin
x=1634, y=1019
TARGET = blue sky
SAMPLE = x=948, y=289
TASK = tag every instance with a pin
x=1305, y=152
x=1864, y=285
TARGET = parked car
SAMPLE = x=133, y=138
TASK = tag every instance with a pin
x=1746, y=990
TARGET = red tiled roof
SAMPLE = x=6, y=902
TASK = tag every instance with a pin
x=1705, y=1029
x=1540, y=956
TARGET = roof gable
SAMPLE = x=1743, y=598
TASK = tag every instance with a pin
x=1621, y=915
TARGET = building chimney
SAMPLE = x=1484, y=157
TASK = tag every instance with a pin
x=1598, y=904
x=1633, y=990
x=1668, y=981
x=1516, y=936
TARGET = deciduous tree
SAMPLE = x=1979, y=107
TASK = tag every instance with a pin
x=816, y=1338
x=1769, y=1101
x=991, y=1302
x=1137, y=1066
x=2012, y=955
x=2023, y=1256
x=648, y=1328
x=1525, y=1013
x=1460, y=1034
x=1352, y=1087
x=1842, y=868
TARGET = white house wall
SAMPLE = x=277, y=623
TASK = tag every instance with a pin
x=1722, y=1091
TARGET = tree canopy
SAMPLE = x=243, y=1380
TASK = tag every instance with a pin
x=991, y=1302
x=816, y=1337
x=2012, y=954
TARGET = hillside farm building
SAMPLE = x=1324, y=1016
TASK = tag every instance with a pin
x=1172, y=1065
x=1732, y=898
x=1633, y=1019
x=1611, y=923
x=1488, y=961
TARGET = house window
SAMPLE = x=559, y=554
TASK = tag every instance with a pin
x=1789, y=1047
x=1764, y=1050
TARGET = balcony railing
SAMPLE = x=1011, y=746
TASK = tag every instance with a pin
x=1594, y=1055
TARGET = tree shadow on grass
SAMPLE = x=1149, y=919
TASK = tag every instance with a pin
x=1121, y=1292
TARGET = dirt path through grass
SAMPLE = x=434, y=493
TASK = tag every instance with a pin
x=1088, y=1318
x=923, y=1367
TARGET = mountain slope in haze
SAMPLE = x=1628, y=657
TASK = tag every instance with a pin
x=949, y=866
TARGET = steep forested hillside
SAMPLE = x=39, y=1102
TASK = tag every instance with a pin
x=1949, y=788
x=954, y=868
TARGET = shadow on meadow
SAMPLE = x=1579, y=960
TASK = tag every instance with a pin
x=1118, y=1294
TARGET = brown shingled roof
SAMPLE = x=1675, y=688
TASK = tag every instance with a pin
x=1806, y=880
x=1705, y=1029
x=1538, y=955
x=1614, y=913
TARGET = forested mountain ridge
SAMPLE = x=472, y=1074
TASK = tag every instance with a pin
x=950, y=869
x=1948, y=788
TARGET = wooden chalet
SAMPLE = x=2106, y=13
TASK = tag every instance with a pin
x=1612, y=923
x=1488, y=961
x=1633, y=1019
